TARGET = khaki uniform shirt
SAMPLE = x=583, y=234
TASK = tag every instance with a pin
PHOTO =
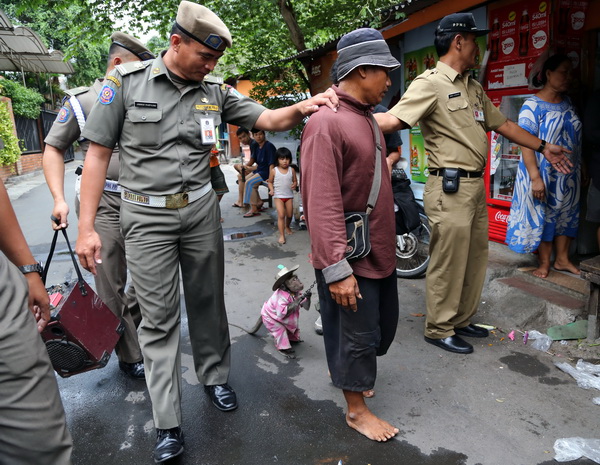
x=65, y=130
x=158, y=127
x=454, y=114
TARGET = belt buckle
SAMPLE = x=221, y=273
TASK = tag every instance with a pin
x=175, y=201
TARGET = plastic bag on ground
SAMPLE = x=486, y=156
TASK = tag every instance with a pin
x=540, y=341
x=568, y=449
x=583, y=373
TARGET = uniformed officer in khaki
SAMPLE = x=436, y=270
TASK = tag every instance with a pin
x=454, y=115
x=32, y=419
x=163, y=115
x=111, y=278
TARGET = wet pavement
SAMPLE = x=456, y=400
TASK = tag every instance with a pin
x=504, y=404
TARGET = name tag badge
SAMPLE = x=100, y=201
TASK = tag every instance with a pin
x=207, y=129
x=479, y=116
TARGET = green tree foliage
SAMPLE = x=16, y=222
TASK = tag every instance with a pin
x=26, y=102
x=264, y=31
x=57, y=23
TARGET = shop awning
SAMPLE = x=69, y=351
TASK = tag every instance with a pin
x=21, y=49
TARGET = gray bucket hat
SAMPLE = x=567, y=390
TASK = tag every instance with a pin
x=363, y=47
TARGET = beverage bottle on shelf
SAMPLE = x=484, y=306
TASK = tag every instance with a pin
x=495, y=40
x=524, y=34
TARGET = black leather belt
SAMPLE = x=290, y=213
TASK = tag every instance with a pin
x=462, y=173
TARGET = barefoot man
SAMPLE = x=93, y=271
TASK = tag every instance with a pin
x=359, y=300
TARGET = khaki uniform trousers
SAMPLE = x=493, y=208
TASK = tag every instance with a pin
x=159, y=242
x=459, y=254
x=111, y=277
x=32, y=419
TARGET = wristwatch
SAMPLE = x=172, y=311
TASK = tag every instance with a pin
x=542, y=146
x=35, y=268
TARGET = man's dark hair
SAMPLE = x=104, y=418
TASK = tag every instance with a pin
x=256, y=131
x=241, y=131
x=442, y=42
x=184, y=37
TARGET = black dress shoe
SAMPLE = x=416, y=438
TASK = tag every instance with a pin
x=135, y=370
x=452, y=344
x=222, y=397
x=472, y=331
x=169, y=444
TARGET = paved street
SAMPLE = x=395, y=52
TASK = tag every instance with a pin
x=504, y=404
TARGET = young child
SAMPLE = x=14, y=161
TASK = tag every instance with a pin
x=282, y=182
x=281, y=312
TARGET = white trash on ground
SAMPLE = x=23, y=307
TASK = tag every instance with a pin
x=568, y=449
x=586, y=374
x=540, y=341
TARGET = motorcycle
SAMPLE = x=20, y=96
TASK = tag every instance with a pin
x=412, y=229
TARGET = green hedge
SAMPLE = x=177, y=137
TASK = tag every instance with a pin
x=26, y=102
x=11, y=151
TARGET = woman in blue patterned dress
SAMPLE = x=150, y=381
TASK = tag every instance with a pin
x=545, y=204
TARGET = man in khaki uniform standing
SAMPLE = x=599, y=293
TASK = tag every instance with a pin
x=32, y=419
x=454, y=114
x=111, y=277
x=163, y=115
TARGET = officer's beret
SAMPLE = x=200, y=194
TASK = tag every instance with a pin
x=203, y=25
x=132, y=44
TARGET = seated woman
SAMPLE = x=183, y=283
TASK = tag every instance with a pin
x=545, y=205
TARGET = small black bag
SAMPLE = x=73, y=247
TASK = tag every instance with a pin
x=451, y=180
x=357, y=223
x=357, y=232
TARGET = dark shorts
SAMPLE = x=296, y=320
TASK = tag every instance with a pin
x=217, y=179
x=353, y=340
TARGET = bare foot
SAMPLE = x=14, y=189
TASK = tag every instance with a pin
x=288, y=231
x=542, y=271
x=368, y=394
x=370, y=426
x=569, y=266
x=281, y=240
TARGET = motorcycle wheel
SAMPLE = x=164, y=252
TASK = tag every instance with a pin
x=412, y=251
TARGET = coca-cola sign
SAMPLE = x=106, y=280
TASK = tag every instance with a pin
x=501, y=217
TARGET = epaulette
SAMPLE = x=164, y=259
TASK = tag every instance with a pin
x=127, y=68
x=76, y=91
x=213, y=79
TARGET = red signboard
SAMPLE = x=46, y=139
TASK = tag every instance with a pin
x=519, y=34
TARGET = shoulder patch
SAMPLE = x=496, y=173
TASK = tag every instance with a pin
x=63, y=115
x=77, y=91
x=114, y=79
x=232, y=90
x=106, y=95
x=127, y=68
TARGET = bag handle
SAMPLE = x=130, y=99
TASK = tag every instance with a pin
x=374, y=194
x=80, y=280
